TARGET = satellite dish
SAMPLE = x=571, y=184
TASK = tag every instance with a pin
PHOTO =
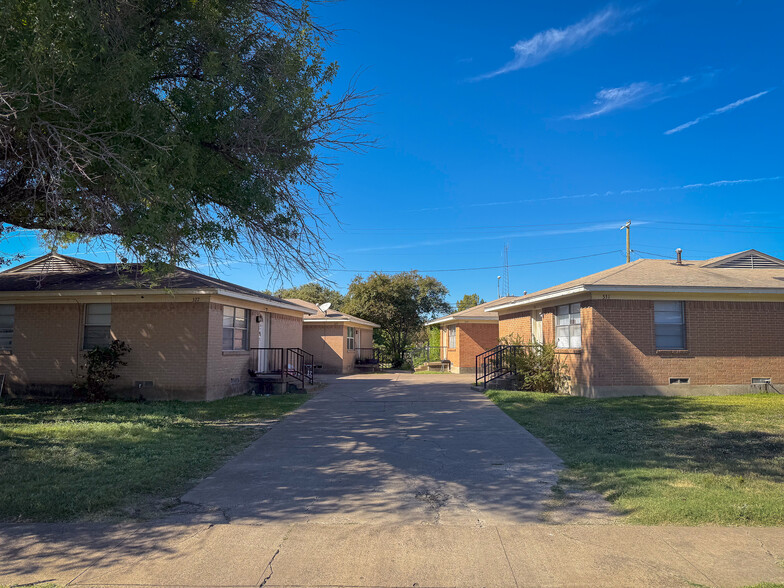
x=325, y=307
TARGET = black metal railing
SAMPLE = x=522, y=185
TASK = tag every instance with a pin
x=367, y=356
x=299, y=365
x=266, y=361
x=496, y=363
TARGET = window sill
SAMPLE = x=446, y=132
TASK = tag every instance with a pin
x=673, y=352
x=236, y=352
x=568, y=351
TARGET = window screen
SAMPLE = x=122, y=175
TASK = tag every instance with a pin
x=235, y=328
x=669, y=323
x=349, y=338
x=6, y=326
x=568, y=330
x=452, y=337
x=97, y=325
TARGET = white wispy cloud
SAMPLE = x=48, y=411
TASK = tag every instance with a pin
x=625, y=192
x=712, y=113
x=434, y=242
x=609, y=99
x=542, y=45
x=641, y=94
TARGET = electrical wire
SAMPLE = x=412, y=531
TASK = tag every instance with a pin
x=487, y=267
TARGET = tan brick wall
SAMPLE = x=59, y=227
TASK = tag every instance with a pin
x=45, y=349
x=325, y=342
x=177, y=345
x=167, y=347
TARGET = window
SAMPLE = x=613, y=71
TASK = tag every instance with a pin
x=6, y=326
x=235, y=328
x=452, y=337
x=350, y=338
x=670, y=328
x=568, y=330
x=97, y=325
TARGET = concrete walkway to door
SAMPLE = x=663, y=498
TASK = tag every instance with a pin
x=404, y=449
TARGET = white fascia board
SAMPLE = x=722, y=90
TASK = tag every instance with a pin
x=541, y=298
x=151, y=292
x=462, y=319
x=360, y=322
x=653, y=289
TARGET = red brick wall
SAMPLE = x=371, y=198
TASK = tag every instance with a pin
x=727, y=343
x=515, y=324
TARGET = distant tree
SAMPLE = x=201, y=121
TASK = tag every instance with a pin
x=174, y=130
x=469, y=301
x=400, y=303
x=313, y=292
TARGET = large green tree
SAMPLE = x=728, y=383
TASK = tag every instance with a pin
x=313, y=292
x=469, y=301
x=399, y=303
x=173, y=129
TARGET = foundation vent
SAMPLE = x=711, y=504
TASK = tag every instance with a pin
x=679, y=380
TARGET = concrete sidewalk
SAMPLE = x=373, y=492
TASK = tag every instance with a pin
x=389, y=555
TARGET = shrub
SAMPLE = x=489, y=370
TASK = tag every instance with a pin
x=101, y=364
x=537, y=368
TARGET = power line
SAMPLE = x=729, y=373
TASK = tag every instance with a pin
x=487, y=267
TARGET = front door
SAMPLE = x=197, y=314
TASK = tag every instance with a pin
x=263, y=357
x=536, y=327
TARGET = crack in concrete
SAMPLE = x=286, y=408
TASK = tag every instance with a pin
x=265, y=579
x=761, y=543
x=693, y=566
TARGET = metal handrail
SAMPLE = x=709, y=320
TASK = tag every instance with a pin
x=299, y=365
x=367, y=355
x=265, y=361
x=496, y=363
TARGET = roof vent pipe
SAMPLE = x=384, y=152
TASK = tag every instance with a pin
x=678, y=259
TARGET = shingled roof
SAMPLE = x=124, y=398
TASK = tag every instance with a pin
x=748, y=271
x=330, y=315
x=58, y=273
x=475, y=313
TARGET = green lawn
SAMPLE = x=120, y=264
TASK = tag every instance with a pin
x=695, y=460
x=115, y=459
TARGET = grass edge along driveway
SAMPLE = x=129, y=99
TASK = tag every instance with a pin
x=666, y=460
x=112, y=460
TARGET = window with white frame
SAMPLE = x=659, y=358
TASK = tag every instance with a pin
x=97, y=325
x=350, y=338
x=6, y=326
x=235, y=328
x=452, y=336
x=568, y=330
x=669, y=324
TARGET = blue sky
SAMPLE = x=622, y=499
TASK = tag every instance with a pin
x=548, y=125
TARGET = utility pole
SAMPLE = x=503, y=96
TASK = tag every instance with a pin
x=628, y=227
x=505, y=285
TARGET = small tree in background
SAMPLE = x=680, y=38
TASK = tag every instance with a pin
x=469, y=301
x=400, y=303
x=101, y=364
x=315, y=293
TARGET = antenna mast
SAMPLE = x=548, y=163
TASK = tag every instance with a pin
x=506, y=270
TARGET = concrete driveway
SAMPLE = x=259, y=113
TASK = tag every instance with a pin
x=402, y=448
x=387, y=481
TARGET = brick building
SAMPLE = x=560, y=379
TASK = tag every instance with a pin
x=662, y=327
x=467, y=333
x=337, y=340
x=191, y=335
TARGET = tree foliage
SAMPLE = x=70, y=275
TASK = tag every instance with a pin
x=172, y=129
x=400, y=303
x=469, y=301
x=313, y=292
